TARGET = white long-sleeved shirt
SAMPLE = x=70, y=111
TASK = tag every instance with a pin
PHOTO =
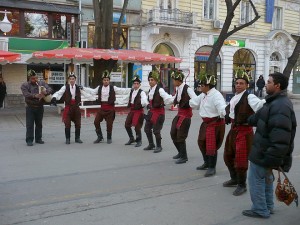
x=168, y=99
x=105, y=91
x=210, y=105
x=144, y=100
x=62, y=90
x=254, y=102
x=179, y=89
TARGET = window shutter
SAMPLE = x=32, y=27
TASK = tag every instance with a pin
x=269, y=10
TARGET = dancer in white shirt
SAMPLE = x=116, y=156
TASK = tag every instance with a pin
x=211, y=105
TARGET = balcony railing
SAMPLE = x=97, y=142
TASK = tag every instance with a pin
x=171, y=16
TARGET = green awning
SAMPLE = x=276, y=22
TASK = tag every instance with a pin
x=30, y=45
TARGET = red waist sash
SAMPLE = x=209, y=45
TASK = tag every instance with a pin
x=136, y=114
x=182, y=114
x=67, y=109
x=106, y=106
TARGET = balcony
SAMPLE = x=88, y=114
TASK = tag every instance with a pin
x=171, y=16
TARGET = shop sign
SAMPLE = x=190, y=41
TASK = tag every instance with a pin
x=56, y=77
x=235, y=43
x=116, y=77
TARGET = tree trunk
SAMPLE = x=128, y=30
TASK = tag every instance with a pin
x=118, y=31
x=292, y=60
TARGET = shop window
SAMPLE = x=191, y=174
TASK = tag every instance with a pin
x=36, y=25
x=246, y=12
x=209, y=8
x=59, y=26
x=277, y=18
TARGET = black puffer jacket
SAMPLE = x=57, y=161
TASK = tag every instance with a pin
x=273, y=142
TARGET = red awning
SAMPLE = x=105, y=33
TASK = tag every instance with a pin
x=86, y=55
x=8, y=57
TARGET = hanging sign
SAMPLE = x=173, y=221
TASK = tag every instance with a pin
x=56, y=77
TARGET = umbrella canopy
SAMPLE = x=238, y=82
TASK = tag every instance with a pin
x=8, y=57
x=86, y=55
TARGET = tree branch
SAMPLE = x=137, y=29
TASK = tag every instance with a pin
x=292, y=60
x=236, y=29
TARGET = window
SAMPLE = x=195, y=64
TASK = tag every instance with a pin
x=59, y=29
x=277, y=18
x=36, y=25
x=209, y=7
x=13, y=17
x=166, y=4
x=246, y=12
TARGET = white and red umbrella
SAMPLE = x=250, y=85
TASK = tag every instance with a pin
x=8, y=57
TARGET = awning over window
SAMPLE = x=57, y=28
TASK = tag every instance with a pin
x=86, y=56
x=8, y=57
x=40, y=6
x=30, y=45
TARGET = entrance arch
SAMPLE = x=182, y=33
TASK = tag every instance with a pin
x=165, y=74
x=201, y=57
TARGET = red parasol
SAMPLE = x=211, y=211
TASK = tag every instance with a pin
x=8, y=57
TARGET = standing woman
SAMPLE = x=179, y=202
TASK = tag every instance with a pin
x=2, y=92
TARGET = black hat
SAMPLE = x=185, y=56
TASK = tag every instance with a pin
x=154, y=74
x=31, y=73
x=177, y=75
x=136, y=78
x=106, y=74
x=72, y=74
x=241, y=73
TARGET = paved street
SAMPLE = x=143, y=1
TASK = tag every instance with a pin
x=92, y=184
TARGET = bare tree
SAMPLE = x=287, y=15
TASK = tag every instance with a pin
x=103, y=13
x=292, y=60
x=211, y=66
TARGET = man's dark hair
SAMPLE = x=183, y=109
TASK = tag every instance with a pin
x=279, y=78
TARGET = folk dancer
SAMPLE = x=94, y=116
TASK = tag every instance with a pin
x=211, y=105
x=239, y=139
x=106, y=97
x=155, y=117
x=137, y=101
x=34, y=99
x=71, y=94
x=182, y=121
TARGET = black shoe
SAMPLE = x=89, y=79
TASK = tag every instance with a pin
x=109, y=141
x=181, y=160
x=239, y=190
x=230, y=183
x=29, y=143
x=138, y=144
x=176, y=156
x=40, y=142
x=250, y=213
x=99, y=139
x=77, y=140
x=68, y=141
x=157, y=150
x=271, y=211
x=203, y=167
x=150, y=147
x=130, y=142
x=210, y=172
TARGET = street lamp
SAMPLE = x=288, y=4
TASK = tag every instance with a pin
x=5, y=24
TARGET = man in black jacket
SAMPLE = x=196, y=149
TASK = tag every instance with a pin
x=272, y=146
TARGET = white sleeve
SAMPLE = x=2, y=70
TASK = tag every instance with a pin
x=85, y=96
x=144, y=100
x=195, y=101
x=255, y=103
x=168, y=99
x=59, y=93
x=91, y=90
x=122, y=91
x=191, y=93
x=220, y=104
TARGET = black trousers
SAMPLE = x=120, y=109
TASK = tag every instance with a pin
x=34, y=116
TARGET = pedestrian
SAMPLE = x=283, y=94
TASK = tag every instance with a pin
x=182, y=121
x=2, y=92
x=197, y=87
x=137, y=101
x=72, y=97
x=273, y=145
x=239, y=138
x=106, y=97
x=251, y=85
x=211, y=105
x=155, y=117
x=260, y=83
x=34, y=99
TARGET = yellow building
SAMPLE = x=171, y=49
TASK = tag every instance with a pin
x=188, y=29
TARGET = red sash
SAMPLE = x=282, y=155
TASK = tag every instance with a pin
x=182, y=114
x=67, y=109
x=241, y=152
x=106, y=106
x=136, y=115
x=210, y=134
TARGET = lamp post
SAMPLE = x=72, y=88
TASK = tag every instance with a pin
x=5, y=24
